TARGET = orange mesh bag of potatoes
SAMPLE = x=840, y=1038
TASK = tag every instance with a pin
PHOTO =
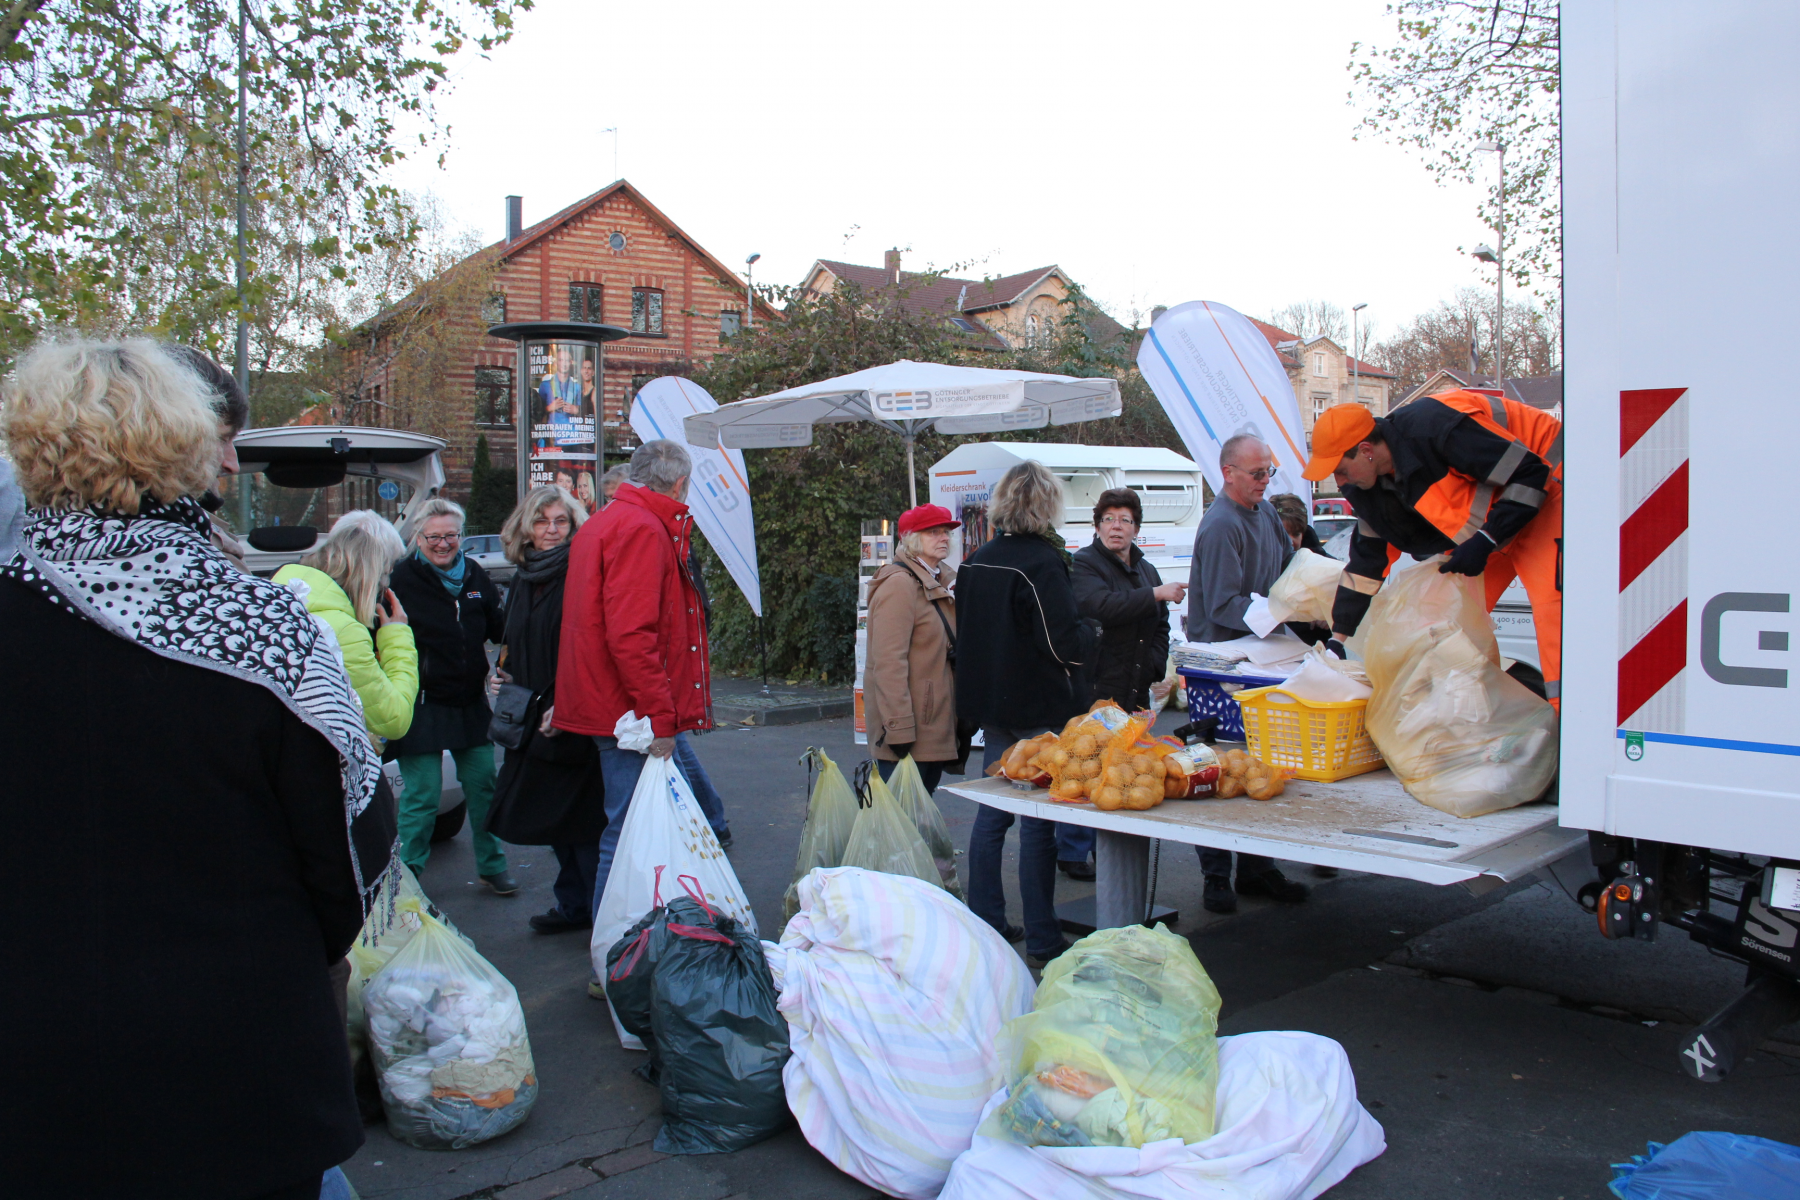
x=1076, y=760
x=1243, y=774
x=1132, y=772
x=1028, y=760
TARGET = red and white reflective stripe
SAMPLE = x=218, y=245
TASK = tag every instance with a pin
x=1653, y=574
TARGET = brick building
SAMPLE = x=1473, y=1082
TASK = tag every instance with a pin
x=613, y=258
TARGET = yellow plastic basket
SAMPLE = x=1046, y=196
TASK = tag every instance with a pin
x=1321, y=740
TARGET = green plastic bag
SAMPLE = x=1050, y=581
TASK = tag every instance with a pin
x=830, y=815
x=928, y=819
x=884, y=839
x=1120, y=1048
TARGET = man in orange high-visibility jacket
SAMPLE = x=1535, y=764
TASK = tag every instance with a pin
x=1465, y=473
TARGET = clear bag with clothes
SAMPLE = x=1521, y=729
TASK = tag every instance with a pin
x=909, y=791
x=447, y=1036
x=830, y=815
x=1462, y=735
x=1120, y=1048
x=390, y=925
x=885, y=839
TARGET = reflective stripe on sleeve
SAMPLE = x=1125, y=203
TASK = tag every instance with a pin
x=1359, y=583
x=1509, y=462
x=1553, y=689
x=1524, y=495
x=1555, y=455
x=1499, y=408
x=1478, y=507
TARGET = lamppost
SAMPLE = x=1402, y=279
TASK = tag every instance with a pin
x=750, y=290
x=1498, y=258
x=1355, y=395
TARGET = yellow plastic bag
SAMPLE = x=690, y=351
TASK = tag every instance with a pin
x=884, y=839
x=1307, y=589
x=909, y=791
x=1463, y=736
x=830, y=815
x=1120, y=1048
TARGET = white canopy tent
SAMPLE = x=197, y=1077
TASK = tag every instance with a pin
x=908, y=398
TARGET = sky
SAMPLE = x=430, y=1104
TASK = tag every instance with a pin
x=1157, y=152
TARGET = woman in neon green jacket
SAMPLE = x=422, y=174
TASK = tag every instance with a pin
x=342, y=584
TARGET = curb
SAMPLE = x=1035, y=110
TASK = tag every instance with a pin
x=799, y=713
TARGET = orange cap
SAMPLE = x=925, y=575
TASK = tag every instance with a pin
x=1339, y=430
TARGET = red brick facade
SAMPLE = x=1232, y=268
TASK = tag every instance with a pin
x=578, y=247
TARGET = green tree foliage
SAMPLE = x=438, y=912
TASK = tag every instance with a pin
x=1467, y=71
x=491, y=490
x=109, y=105
x=811, y=500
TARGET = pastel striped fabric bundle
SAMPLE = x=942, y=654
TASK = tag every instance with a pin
x=895, y=995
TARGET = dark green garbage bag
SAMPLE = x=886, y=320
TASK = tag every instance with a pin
x=694, y=985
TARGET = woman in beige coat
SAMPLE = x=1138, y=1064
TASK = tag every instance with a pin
x=909, y=681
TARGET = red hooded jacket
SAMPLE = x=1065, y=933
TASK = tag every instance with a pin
x=633, y=637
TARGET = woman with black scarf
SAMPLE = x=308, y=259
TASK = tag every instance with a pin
x=549, y=791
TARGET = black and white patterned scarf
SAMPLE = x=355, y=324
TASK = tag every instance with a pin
x=156, y=579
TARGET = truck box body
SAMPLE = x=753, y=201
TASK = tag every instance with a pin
x=1681, y=167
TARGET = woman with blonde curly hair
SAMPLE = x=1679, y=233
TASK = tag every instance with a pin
x=342, y=583
x=224, y=801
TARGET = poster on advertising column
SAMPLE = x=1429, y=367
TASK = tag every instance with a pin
x=561, y=402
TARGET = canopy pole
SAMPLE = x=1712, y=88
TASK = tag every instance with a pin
x=912, y=482
x=763, y=641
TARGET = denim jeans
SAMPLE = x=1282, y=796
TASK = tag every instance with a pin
x=1075, y=842
x=711, y=803
x=574, y=886
x=1218, y=862
x=930, y=774
x=1037, y=860
x=619, y=771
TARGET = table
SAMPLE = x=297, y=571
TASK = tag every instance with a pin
x=1364, y=823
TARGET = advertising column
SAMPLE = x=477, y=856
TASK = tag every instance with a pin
x=559, y=409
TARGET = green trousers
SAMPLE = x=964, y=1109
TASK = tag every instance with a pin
x=423, y=775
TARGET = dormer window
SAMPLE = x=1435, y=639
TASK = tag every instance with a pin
x=1319, y=365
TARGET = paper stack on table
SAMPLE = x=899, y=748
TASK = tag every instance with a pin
x=1270, y=657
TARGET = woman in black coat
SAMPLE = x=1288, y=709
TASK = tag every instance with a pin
x=1022, y=651
x=550, y=791
x=202, y=830
x=455, y=611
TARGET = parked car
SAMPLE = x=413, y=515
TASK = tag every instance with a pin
x=1330, y=528
x=484, y=548
x=1331, y=505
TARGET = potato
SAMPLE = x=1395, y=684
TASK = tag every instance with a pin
x=1261, y=787
x=1120, y=774
x=1141, y=763
x=1059, y=757
x=1089, y=787
x=1090, y=768
x=1230, y=787
x=1159, y=767
x=1140, y=798
x=1109, y=798
x=1070, y=789
x=1145, y=780
x=1084, y=747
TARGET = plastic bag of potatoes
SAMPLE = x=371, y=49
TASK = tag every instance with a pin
x=1132, y=774
x=1243, y=774
x=1077, y=760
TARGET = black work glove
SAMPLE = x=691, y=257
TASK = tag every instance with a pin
x=1336, y=647
x=900, y=749
x=1470, y=558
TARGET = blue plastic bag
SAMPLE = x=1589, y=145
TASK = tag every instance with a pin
x=1711, y=1166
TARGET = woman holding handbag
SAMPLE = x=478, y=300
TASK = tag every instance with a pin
x=549, y=792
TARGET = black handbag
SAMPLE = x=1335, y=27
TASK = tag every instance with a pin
x=512, y=712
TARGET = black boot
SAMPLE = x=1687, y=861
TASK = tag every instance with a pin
x=1273, y=884
x=1218, y=897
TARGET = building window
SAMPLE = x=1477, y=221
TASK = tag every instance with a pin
x=1319, y=366
x=729, y=324
x=584, y=302
x=1321, y=402
x=646, y=310
x=1031, y=329
x=493, y=309
x=493, y=396
x=615, y=241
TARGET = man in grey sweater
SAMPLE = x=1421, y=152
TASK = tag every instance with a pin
x=1241, y=547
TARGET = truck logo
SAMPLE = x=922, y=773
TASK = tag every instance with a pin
x=1712, y=616
x=1764, y=925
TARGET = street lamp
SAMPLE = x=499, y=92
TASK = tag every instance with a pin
x=1498, y=258
x=750, y=290
x=1355, y=395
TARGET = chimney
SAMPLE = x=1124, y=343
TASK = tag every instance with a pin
x=515, y=217
x=891, y=264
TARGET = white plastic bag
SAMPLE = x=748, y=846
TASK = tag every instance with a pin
x=664, y=829
x=1463, y=736
x=895, y=996
x=1307, y=588
x=1289, y=1128
x=447, y=1036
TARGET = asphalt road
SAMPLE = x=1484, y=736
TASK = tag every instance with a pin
x=1506, y=1048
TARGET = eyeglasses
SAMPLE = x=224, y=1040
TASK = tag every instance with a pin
x=1260, y=474
x=1118, y=522
x=441, y=539
x=553, y=522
